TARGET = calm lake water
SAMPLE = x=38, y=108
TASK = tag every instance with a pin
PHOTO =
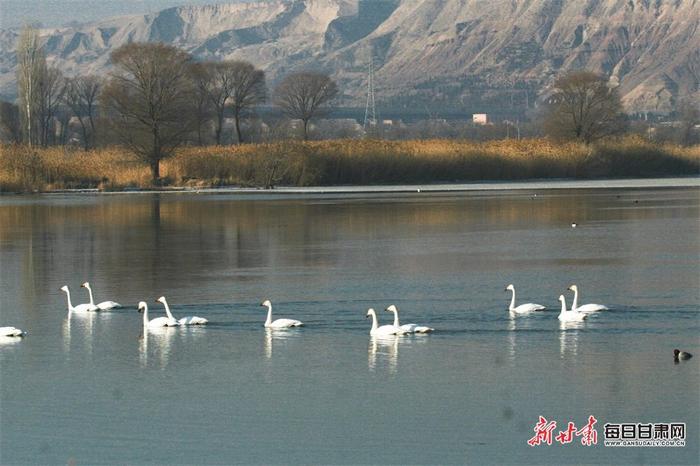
x=90, y=389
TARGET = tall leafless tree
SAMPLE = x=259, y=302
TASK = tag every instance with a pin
x=81, y=97
x=304, y=96
x=203, y=109
x=51, y=90
x=150, y=96
x=232, y=84
x=219, y=89
x=249, y=90
x=583, y=106
x=31, y=63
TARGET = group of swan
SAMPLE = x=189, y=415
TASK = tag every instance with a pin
x=396, y=328
x=169, y=320
x=91, y=306
x=575, y=314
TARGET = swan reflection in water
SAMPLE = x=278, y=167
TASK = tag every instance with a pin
x=278, y=335
x=77, y=321
x=384, y=346
x=65, y=331
x=517, y=325
x=160, y=339
x=568, y=338
x=512, y=330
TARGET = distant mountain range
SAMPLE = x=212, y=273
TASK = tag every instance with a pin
x=468, y=54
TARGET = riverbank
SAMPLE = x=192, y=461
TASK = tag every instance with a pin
x=343, y=163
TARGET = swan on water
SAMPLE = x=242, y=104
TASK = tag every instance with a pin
x=523, y=308
x=384, y=330
x=189, y=320
x=279, y=323
x=158, y=321
x=80, y=307
x=570, y=316
x=104, y=305
x=408, y=328
x=585, y=307
x=11, y=332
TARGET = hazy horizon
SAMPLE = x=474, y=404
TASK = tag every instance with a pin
x=54, y=13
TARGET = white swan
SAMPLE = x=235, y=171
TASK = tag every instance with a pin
x=189, y=320
x=570, y=316
x=80, y=307
x=279, y=323
x=104, y=305
x=11, y=332
x=585, y=307
x=384, y=330
x=158, y=321
x=523, y=308
x=408, y=328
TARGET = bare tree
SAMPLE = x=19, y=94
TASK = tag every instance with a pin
x=584, y=107
x=10, y=126
x=234, y=84
x=304, y=96
x=31, y=62
x=150, y=95
x=219, y=87
x=203, y=109
x=249, y=90
x=81, y=97
x=51, y=90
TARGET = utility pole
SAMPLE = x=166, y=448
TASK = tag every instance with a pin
x=370, y=107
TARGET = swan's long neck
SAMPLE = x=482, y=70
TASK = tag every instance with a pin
x=167, y=309
x=268, y=321
x=92, y=302
x=70, y=305
x=512, y=300
x=574, y=305
x=563, y=306
x=145, y=316
x=374, y=321
x=396, y=318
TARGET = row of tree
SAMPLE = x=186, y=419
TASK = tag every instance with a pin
x=156, y=99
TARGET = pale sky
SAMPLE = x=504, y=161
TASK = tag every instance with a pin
x=52, y=13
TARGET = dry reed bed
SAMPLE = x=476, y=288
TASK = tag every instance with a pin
x=344, y=162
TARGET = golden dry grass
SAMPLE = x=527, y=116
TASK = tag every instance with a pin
x=344, y=162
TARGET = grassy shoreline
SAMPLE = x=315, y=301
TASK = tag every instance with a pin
x=344, y=163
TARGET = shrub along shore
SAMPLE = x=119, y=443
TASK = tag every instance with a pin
x=343, y=162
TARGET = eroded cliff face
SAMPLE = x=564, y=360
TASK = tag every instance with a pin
x=422, y=48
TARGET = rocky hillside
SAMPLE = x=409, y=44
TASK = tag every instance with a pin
x=453, y=53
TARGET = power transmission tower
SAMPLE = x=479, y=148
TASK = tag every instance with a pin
x=370, y=107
